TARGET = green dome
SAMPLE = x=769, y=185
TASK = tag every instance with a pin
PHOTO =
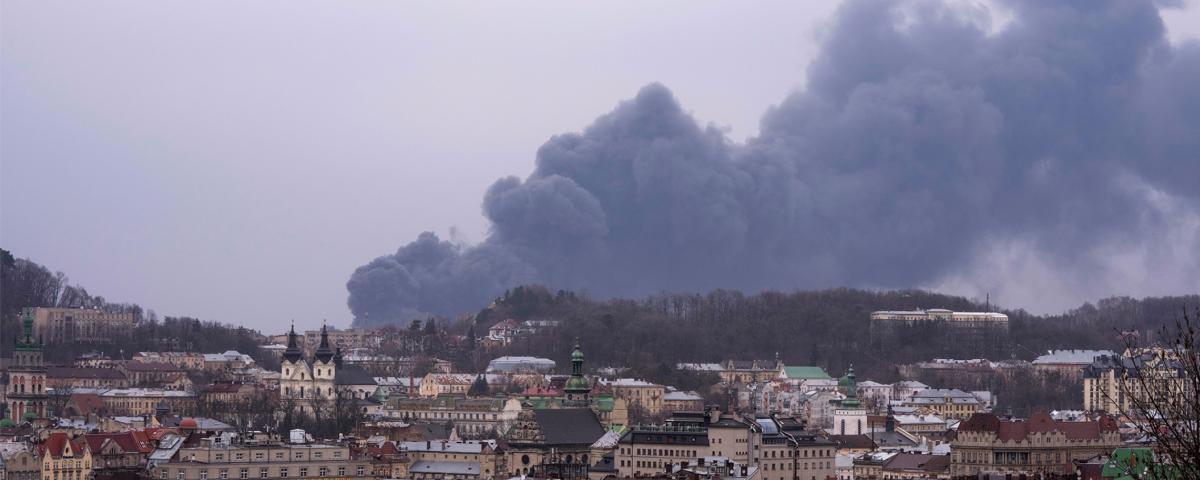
x=6, y=423
x=577, y=355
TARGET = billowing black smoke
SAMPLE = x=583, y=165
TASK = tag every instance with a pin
x=924, y=149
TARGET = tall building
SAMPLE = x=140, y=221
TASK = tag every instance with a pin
x=577, y=389
x=26, y=394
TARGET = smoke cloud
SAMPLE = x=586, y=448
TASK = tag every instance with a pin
x=1053, y=159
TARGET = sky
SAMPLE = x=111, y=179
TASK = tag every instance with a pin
x=237, y=161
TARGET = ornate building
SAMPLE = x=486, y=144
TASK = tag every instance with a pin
x=986, y=444
x=25, y=397
x=308, y=384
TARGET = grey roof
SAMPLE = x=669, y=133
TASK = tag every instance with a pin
x=353, y=375
x=1078, y=357
x=445, y=467
x=569, y=426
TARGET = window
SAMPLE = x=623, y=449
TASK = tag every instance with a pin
x=204, y=474
x=323, y=472
x=262, y=472
x=219, y=456
x=303, y=471
x=161, y=474
x=283, y=472
x=180, y=474
x=224, y=473
x=358, y=470
x=342, y=471
x=244, y=473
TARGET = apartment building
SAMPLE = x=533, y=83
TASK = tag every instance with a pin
x=73, y=325
x=986, y=444
x=214, y=459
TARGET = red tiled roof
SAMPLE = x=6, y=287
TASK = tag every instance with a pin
x=56, y=444
x=126, y=440
x=1018, y=430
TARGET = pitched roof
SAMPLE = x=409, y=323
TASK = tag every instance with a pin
x=804, y=372
x=918, y=461
x=1018, y=430
x=569, y=426
x=853, y=441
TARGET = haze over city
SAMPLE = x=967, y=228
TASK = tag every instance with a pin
x=239, y=161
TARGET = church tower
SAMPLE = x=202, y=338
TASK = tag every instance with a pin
x=577, y=388
x=26, y=395
x=323, y=366
x=850, y=418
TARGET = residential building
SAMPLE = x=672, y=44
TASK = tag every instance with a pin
x=986, y=444
x=446, y=460
x=216, y=459
x=986, y=332
x=676, y=401
x=946, y=402
x=60, y=378
x=645, y=450
x=784, y=450
x=1068, y=365
x=64, y=458
x=19, y=462
x=347, y=340
x=1113, y=384
x=640, y=394
x=72, y=325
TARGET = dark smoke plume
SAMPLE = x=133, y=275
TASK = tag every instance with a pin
x=1056, y=156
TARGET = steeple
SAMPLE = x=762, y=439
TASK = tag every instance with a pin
x=324, y=353
x=293, y=353
x=849, y=388
x=577, y=387
x=890, y=424
x=27, y=342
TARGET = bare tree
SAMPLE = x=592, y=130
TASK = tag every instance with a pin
x=1156, y=390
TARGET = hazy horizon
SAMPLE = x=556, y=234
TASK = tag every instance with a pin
x=237, y=162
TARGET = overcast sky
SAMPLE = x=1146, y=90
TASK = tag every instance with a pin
x=236, y=161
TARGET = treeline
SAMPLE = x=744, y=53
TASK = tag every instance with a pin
x=26, y=284
x=829, y=328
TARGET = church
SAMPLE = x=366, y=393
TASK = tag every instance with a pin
x=316, y=383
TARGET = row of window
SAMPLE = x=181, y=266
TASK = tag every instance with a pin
x=259, y=455
x=263, y=472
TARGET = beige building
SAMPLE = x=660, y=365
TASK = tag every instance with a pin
x=348, y=339
x=640, y=393
x=181, y=360
x=986, y=444
x=266, y=460
x=471, y=416
x=1112, y=383
x=71, y=325
x=1067, y=365
x=63, y=458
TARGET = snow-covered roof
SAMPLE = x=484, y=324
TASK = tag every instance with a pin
x=1077, y=357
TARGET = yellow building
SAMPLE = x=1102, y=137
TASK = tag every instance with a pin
x=63, y=458
x=639, y=394
x=70, y=325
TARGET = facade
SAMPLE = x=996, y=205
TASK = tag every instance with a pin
x=444, y=460
x=348, y=339
x=946, y=403
x=520, y=365
x=1112, y=383
x=308, y=384
x=677, y=401
x=63, y=458
x=749, y=371
x=640, y=393
x=26, y=397
x=986, y=444
x=72, y=377
x=471, y=416
x=181, y=360
x=70, y=325
x=1067, y=364
x=212, y=460
x=986, y=332
x=152, y=374
x=645, y=450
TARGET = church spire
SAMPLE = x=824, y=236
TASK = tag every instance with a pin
x=324, y=353
x=577, y=387
x=27, y=342
x=293, y=353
